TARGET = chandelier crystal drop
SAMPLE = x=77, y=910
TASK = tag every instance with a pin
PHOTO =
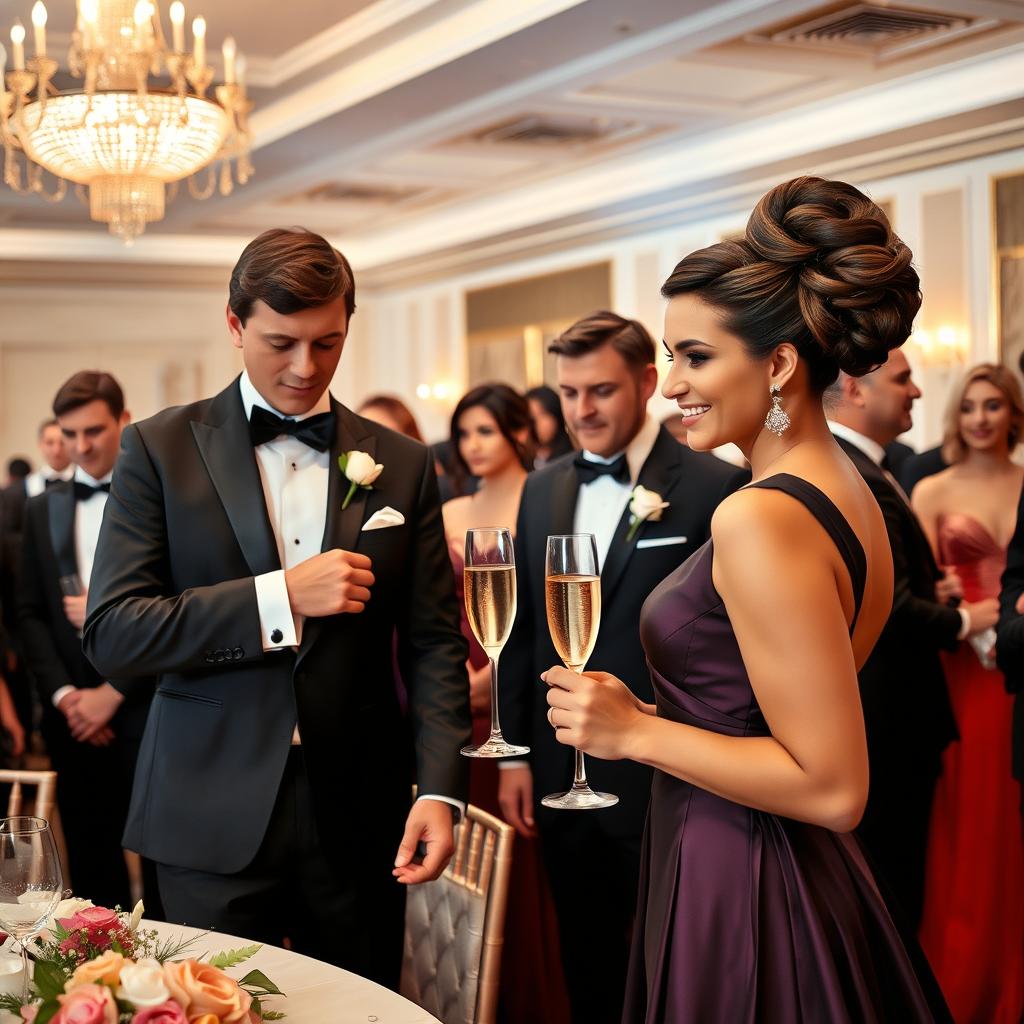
x=140, y=122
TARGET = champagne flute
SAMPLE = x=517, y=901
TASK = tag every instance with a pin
x=31, y=884
x=489, y=584
x=572, y=594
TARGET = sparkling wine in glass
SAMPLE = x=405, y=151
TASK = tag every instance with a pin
x=31, y=883
x=572, y=594
x=489, y=583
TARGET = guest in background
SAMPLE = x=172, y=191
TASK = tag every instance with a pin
x=920, y=466
x=907, y=711
x=973, y=928
x=492, y=439
x=896, y=454
x=18, y=469
x=91, y=725
x=549, y=433
x=391, y=412
x=606, y=375
x=1010, y=641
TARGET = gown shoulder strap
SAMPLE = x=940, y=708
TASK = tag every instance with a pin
x=833, y=522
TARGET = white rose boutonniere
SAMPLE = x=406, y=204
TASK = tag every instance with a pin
x=360, y=470
x=644, y=505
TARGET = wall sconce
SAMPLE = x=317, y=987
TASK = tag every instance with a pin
x=439, y=392
x=946, y=346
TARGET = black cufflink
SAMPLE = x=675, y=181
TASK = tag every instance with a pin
x=277, y=636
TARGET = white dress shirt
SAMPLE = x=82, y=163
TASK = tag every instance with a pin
x=35, y=483
x=600, y=503
x=876, y=453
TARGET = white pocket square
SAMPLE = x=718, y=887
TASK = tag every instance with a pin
x=659, y=542
x=384, y=518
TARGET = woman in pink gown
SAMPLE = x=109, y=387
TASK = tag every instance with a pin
x=973, y=926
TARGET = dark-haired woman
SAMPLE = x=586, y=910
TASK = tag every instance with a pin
x=491, y=437
x=549, y=433
x=391, y=412
x=756, y=902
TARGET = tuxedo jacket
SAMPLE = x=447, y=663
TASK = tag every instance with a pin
x=185, y=532
x=907, y=713
x=12, y=516
x=1010, y=636
x=52, y=648
x=693, y=484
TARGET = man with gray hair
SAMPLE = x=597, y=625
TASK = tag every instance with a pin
x=907, y=712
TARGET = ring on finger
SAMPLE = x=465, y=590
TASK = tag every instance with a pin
x=551, y=721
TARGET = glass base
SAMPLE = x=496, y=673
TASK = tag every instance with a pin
x=495, y=747
x=580, y=798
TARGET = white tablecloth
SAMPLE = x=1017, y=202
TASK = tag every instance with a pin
x=317, y=993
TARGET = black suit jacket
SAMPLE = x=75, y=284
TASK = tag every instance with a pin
x=919, y=465
x=185, y=532
x=51, y=646
x=907, y=712
x=693, y=484
x=1010, y=636
x=12, y=516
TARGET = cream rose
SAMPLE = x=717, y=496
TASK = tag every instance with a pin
x=202, y=989
x=104, y=970
x=143, y=984
x=647, y=505
x=361, y=469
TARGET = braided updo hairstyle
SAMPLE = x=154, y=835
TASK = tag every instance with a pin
x=819, y=266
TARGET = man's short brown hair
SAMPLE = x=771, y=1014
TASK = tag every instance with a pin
x=628, y=337
x=290, y=269
x=89, y=386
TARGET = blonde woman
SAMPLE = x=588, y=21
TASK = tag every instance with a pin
x=973, y=928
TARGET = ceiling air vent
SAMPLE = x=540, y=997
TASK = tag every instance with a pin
x=875, y=30
x=535, y=130
x=356, y=192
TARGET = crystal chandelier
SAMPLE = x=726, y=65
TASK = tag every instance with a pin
x=124, y=137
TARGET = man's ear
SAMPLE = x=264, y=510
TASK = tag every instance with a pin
x=234, y=327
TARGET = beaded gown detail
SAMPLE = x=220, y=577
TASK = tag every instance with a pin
x=746, y=916
x=973, y=926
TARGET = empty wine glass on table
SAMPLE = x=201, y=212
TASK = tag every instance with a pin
x=489, y=583
x=31, y=883
x=572, y=594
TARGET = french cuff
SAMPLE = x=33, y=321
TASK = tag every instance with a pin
x=502, y=765
x=60, y=694
x=965, y=623
x=277, y=625
x=459, y=806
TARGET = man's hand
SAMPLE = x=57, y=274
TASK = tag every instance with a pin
x=10, y=722
x=74, y=609
x=515, y=797
x=1019, y=606
x=984, y=615
x=329, y=583
x=88, y=711
x=480, y=689
x=950, y=586
x=430, y=823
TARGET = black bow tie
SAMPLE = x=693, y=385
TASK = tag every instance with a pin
x=51, y=481
x=587, y=472
x=84, y=491
x=316, y=431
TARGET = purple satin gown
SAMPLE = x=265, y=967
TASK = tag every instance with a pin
x=745, y=916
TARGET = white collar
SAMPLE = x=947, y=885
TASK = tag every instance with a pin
x=82, y=477
x=47, y=472
x=636, y=452
x=872, y=449
x=251, y=397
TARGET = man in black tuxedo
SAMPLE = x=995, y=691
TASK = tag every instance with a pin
x=606, y=374
x=242, y=568
x=1010, y=638
x=907, y=713
x=91, y=730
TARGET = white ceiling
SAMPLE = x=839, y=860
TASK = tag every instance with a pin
x=424, y=133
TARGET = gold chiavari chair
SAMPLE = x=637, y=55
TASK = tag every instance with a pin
x=455, y=926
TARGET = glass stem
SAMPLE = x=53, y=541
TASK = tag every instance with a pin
x=580, y=774
x=495, y=724
x=24, y=968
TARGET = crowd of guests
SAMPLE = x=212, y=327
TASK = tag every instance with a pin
x=945, y=735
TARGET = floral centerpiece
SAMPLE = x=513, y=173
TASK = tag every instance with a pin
x=98, y=966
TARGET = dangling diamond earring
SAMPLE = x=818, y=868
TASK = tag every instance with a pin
x=777, y=420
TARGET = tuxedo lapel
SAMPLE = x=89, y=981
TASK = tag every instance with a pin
x=60, y=507
x=223, y=442
x=565, y=491
x=660, y=473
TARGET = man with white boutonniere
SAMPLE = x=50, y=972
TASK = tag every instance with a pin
x=260, y=551
x=648, y=501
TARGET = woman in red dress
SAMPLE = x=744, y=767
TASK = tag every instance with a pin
x=973, y=927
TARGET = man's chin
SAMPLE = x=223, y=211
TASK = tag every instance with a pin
x=295, y=402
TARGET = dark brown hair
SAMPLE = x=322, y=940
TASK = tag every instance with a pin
x=397, y=410
x=819, y=266
x=628, y=337
x=511, y=413
x=89, y=386
x=1001, y=377
x=290, y=269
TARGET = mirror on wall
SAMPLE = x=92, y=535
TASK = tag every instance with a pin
x=1008, y=269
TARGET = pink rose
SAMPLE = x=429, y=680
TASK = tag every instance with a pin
x=28, y=1013
x=88, y=1004
x=96, y=922
x=166, y=1013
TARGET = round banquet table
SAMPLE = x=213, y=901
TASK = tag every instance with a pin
x=316, y=993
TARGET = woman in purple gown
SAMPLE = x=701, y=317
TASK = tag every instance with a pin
x=756, y=902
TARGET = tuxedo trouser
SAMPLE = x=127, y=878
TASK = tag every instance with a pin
x=128, y=748
x=594, y=881
x=294, y=891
